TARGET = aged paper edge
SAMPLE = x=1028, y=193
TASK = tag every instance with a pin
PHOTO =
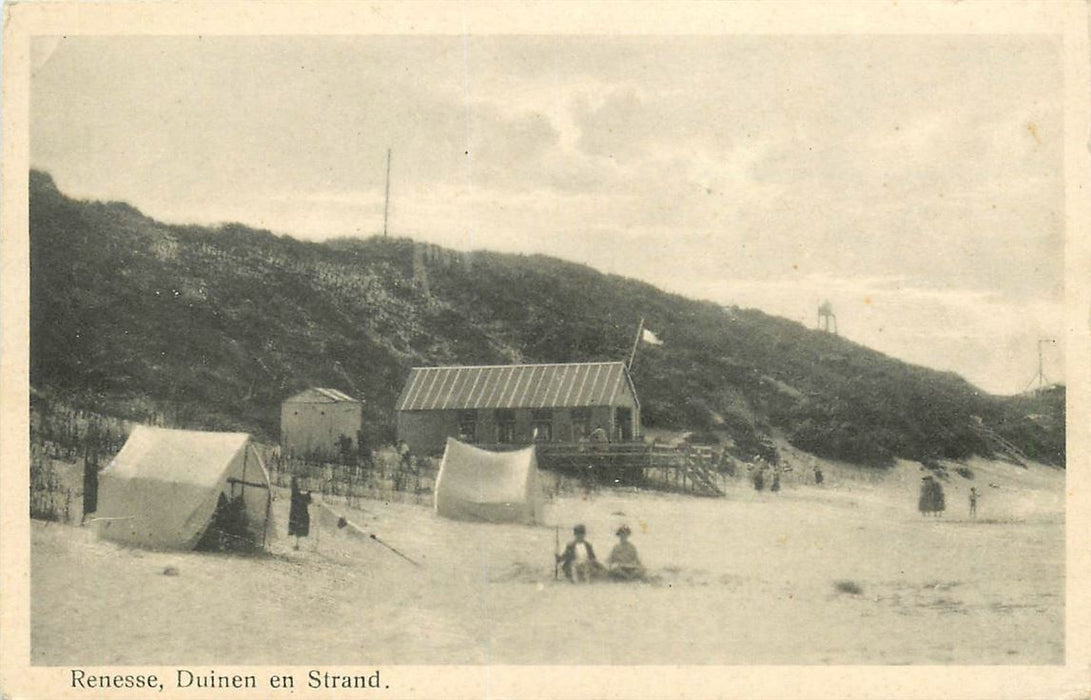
x=1063, y=19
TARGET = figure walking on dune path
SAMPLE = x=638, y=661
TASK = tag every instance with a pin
x=973, y=502
x=299, y=515
x=578, y=561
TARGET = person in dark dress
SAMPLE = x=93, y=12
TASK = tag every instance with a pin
x=938, y=498
x=299, y=515
x=924, y=501
x=931, y=499
x=90, y=483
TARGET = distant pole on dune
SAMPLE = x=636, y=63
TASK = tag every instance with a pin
x=636, y=344
x=1041, y=370
x=386, y=206
x=1040, y=377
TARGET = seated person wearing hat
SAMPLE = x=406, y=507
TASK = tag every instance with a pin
x=624, y=562
x=578, y=561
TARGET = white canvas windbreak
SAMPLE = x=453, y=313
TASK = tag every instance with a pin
x=475, y=484
x=161, y=490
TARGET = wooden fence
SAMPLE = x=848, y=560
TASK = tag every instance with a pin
x=381, y=478
x=694, y=469
x=64, y=440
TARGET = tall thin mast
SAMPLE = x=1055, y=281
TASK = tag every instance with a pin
x=386, y=207
x=1041, y=376
x=636, y=344
x=1041, y=370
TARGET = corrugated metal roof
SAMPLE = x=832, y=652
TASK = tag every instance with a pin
x=514, y=386
x=320, y=395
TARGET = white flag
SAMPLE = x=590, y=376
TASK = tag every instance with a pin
x=648, y=337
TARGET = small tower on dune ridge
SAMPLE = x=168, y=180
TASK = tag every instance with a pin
x=825, y=315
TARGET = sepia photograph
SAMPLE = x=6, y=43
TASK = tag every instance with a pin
x=349, y=352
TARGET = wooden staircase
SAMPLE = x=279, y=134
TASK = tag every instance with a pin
x=703, y=480
x=698, y=472
x=1008, y=450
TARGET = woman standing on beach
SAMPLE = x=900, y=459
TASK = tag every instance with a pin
x=299, y=515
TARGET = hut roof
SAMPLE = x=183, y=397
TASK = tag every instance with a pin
x=320, y=395
x=515, y=386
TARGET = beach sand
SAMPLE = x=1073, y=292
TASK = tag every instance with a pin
x=752, y=578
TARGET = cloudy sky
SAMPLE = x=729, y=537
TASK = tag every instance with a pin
x=915, y=182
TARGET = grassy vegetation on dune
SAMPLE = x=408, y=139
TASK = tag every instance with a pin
x=220, y=324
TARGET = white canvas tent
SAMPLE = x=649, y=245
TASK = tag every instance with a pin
x=162, y=489
x=475, y=484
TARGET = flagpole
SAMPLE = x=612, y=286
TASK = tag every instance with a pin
x=386, y=206
x=636, y=344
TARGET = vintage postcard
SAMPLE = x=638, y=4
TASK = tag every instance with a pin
x=545, y=350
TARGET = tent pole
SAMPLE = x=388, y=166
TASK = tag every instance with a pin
x=386, y=205
x=242, y=489
x=268, y=511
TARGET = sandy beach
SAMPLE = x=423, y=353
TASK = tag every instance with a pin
x=844, y=573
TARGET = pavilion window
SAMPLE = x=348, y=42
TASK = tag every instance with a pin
x=505, y=427
x=542, y=422
x=467, y=426
x=581, y=424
